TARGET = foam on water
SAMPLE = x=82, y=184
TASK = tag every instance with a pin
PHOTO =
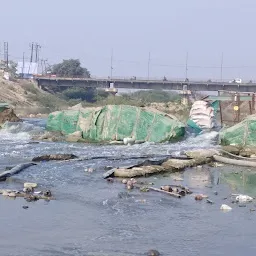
x=21, y=131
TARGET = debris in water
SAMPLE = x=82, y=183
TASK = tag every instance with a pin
x=178, y=179
x=225, y=208
x=243, y=198
x=198, y=197
x=30, y=185
x=129, y=185
x=28, y=190
x=144, y=189
x=56, y=157
x=110, y=180
x=15, y=170
x=48, y=193
x=153, y=253
x=31, y=198
x=166, y=188
x=12, y=194
x=90, y=170
x=209, y=201
x=124, y=181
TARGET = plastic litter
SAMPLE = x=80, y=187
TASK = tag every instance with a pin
x=243, y=199
x=225, y=207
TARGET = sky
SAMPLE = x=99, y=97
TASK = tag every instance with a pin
x=170, y=31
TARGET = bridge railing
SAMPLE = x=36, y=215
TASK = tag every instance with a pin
x=142, y=79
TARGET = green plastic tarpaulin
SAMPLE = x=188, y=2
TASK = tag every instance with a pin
x=241, y=134
x=116, y=122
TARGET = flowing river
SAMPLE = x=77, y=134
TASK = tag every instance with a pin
x=92, y=217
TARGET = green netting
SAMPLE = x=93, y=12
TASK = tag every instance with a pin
x=116, y=122
x=242, y=134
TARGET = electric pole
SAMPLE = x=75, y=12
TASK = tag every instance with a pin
x=149, y=59
x=37, y=49
x=221, y=67
x=6, y=54
x=32, y=53
x=186, y=66
x=111, y=64
x=23, y=64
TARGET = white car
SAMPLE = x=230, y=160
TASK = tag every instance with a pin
x=236, y=81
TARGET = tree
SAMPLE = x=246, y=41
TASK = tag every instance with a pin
x=70, y=68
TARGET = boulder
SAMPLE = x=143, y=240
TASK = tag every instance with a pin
x=231, y=149
x=74, y=137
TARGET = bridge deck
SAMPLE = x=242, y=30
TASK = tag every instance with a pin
x=145, y=84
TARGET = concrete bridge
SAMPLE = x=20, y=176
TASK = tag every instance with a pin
x=54, y=82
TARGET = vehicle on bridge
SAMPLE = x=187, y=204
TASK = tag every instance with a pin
x=236, y=81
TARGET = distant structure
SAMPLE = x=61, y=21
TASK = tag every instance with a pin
x=27, y=70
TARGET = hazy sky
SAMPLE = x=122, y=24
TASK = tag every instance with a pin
x=88, y=30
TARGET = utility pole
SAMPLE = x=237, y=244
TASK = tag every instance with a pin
x=221, y=67
x=149, y=59
x=23, y=64
x=37, y=49
x=32, y=52
x=186, y=66
x=111, y=64
x=6, y=54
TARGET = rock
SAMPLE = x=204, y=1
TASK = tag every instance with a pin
x=248, y=151
x=25, y=207
x=30, y=185
x=50, y=136
x=153, y=253
x=8, y=115
x=74, y=137
x=231, y=149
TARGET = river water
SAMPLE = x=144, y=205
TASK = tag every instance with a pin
x=91, y=217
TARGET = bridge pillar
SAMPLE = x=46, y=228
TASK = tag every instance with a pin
x=185, y=93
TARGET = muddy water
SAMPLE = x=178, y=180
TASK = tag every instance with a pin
x=92, y=217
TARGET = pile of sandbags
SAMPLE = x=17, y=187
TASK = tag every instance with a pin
x=202, y=114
